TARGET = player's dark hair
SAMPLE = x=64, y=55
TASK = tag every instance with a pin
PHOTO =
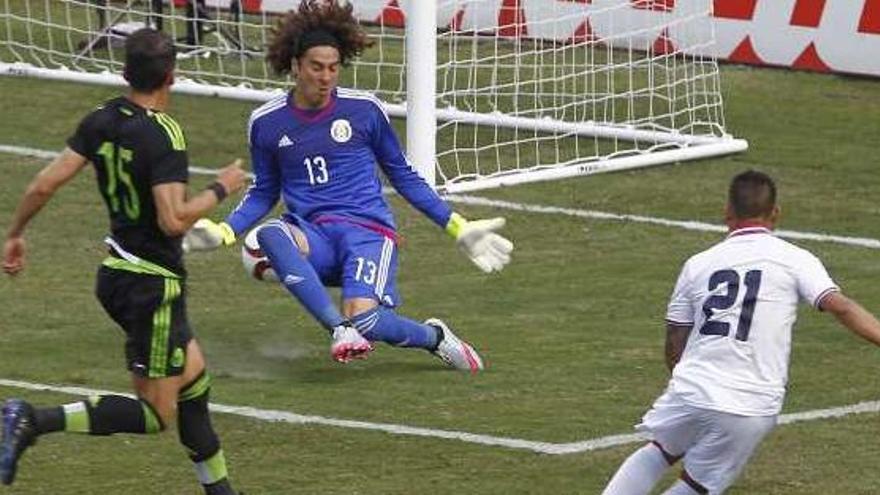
x=149, y=57
x=314, y=23
x=752, y=195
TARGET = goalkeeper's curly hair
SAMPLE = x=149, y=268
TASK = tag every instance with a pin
x=315, y=15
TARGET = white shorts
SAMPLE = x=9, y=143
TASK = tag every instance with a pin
x=715, y=445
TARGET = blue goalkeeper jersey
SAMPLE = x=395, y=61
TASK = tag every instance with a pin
x=323, y=164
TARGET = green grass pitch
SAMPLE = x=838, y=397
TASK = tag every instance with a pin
x=572, y=331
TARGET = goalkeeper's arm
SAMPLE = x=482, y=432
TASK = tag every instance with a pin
x=476, y=239
x=479, y=242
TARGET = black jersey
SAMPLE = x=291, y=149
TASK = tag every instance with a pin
x=133, y=149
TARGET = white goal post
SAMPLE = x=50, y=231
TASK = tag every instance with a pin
x=494, y=92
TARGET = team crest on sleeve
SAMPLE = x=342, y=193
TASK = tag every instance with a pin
x=340, y=130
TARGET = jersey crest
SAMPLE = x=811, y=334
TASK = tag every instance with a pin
x=340, y=130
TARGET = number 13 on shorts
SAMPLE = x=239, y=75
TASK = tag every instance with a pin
x=371, y=268
x=366, y=271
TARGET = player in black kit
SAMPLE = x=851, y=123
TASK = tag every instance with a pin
x=140, y=159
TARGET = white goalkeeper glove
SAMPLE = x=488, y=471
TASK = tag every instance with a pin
x=479, y=242
x=206, y=235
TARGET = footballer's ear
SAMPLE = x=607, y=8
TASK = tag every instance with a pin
x=729, y=215
x=775, y=214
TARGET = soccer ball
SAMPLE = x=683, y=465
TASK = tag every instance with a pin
x=255, y=262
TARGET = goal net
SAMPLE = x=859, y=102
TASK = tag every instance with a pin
x=495, y=92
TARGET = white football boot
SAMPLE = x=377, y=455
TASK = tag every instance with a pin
x=454, y=351
x=349, y=344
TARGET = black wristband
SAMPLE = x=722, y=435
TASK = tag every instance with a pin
x=219, y=190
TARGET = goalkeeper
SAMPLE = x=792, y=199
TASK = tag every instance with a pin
x=317, y=149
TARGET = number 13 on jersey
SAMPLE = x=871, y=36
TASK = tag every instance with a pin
x=317, y=168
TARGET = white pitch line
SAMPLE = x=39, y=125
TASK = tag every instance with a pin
x=270, y=415
x=864, y=242
x=681, y=224
x=600, y=443
x=49, y=155
x=829, y=413
x=32, y=152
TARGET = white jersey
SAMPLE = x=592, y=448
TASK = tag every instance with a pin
x=741, y=298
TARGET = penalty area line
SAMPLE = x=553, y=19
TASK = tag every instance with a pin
x=277, y=416
x=692, y=225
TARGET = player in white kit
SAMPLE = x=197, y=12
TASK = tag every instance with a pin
x=728, y=342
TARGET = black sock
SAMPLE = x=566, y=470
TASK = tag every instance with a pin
x=222, y=487
x=198, y=436
x=109, y=414
x=48, y=420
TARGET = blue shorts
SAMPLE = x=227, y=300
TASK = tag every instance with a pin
x=363, y=262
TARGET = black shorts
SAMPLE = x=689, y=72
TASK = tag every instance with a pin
x=151, y=310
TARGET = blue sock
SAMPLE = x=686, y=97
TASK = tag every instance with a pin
x=383, y=324
x=297, y=274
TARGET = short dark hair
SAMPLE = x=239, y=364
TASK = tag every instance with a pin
x=299, y=29
x=149, y=57
x=752, y=195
